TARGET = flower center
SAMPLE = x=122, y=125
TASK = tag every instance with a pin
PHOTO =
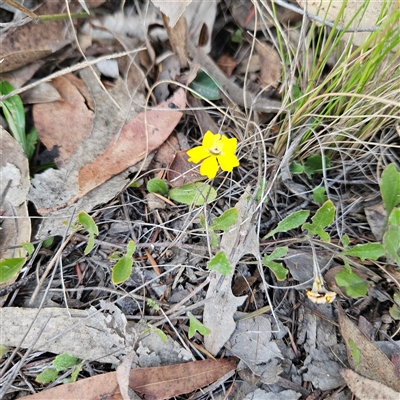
x=215, y=151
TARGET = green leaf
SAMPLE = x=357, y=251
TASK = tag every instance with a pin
x=88, y=222
x=226, y=220
x=47, y=376
x=10, y=267
x=204, y=86
x=194, y=193
x=279, y=271
x=345, y=241
x=75, y=372
x=394, y=312
x=64, y=361
x=196, y=325
x=296, y=168
x=14, y=113
x=352, y=283
x=151, y=303
x=396, y=297
x=28, y=247
x=355, y=352
x=214, y=239
x=220, y=263
x=260, y=191
x=319, y=195
x=160, y=334
x=314, y=165
x=322, y=218
x=372, y=251
x=391, y=239
x=390, y=187
x=31, y=141
x=47, y=243
x=237, y=36
x=157, y=185
x=277, y=253
x=292, y=221
x=203, y=221
x=122, y=270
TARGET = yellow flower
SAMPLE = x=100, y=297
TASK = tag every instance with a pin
x=215, y=149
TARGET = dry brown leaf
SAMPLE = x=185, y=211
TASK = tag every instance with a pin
x=31, y=42
x=376, y=216
x=173, y=380
x=181, y=171
x=373, y=362
x=123, y=371
x=14, y=180
x=145, y=133
x=157, y=383
x=366, y=389
x=271, y=65
x=42, y=93
x=178, y=37
x=65, y=124
x=173, y=10
x=227, y=64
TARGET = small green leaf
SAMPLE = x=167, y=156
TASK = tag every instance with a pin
x=89, y=245
x=48, y=242
x=390, y=187
x=157, y=185
x=296, y=168
x=322, y=218
x=226, y=220
x=14, y=113
x=371, y=251
x=396, y=297
x=196, y=325
x=345, y=241
x=151, y=303
x=47, y=376
x=130, y=248
x=88, y=222
x=160, y=334
x=391, y=239
x=353, y=284
x=31, y=139
x=279, y=252
x=194, y=193
x=394, y=312
x=28, y=247
x=319, y=195
x=64, y=361
x=10, y=267
x=292, y=221
x=314, y=165
x=203, y=221
x=260, y=191
x=220, y=263
x=204, y=86
x=214, y=239
x=279, y=271
x=123, y=268
x=75, y=372
x=355, y=352
x=237, y=36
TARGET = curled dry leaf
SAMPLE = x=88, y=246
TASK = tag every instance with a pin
x=366, y=389
x=31, y=42
x=270, y=63
x=373, y=362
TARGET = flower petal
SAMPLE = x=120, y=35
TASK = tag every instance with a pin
x=228, y=145
x=197, y=154
x=228, y=162
x=208, y=140
x=209, y=167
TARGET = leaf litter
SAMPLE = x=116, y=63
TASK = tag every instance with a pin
x=103, y=140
